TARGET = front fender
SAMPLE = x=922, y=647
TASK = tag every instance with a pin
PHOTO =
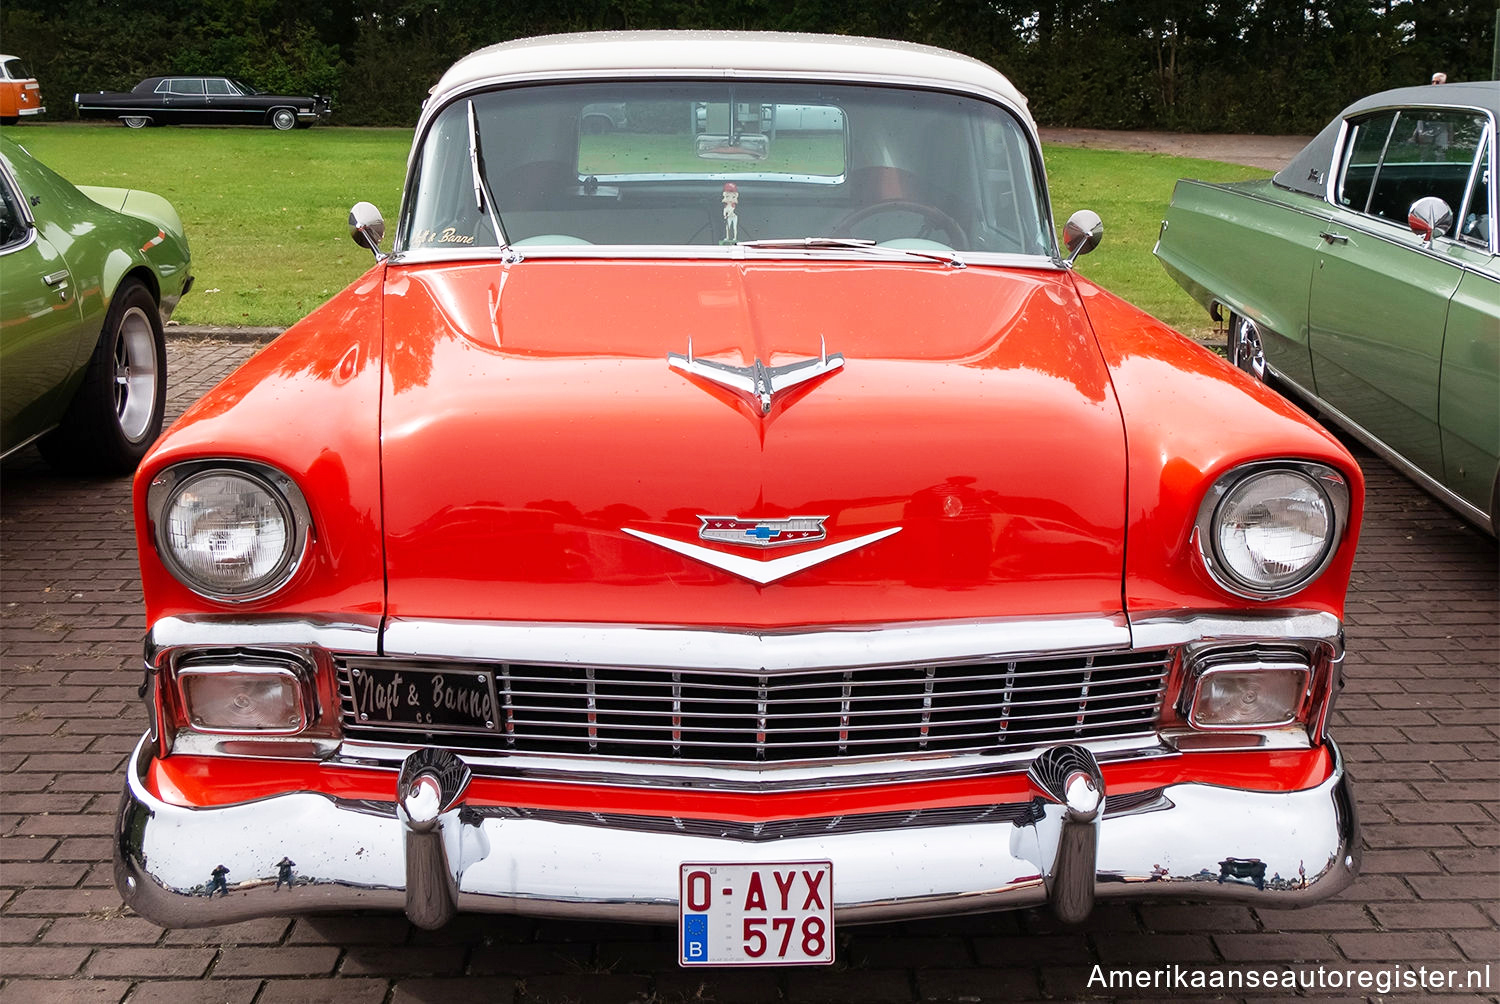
x=308, y=405
x=1190, y=417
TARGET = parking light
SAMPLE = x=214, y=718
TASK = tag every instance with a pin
x=243, y=697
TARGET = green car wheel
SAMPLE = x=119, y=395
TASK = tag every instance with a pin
x=117, y=413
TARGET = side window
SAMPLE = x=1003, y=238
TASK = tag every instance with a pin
x=1394, y=158
x=12, y=223
x=217, y=85
x=187, y=85
x=1363, y=147
x=1474, y=222
x=165, y=87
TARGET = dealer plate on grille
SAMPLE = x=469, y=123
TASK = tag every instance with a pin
x=778, y=914
x=407, y=697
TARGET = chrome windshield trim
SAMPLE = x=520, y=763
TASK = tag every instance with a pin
x=580, y=770
x=748, y=650
x=735, y=253
x=195, y=631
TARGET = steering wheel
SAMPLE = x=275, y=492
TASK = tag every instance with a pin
x=934, y=216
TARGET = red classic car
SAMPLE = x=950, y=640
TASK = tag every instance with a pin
x=685, y=523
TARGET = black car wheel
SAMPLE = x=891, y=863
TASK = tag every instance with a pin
x=284, y=119
x=135, y=121
x=117, y=413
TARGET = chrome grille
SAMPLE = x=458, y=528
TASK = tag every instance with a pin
x=778, y=717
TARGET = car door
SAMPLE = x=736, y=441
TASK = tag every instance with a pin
x=223, y=103
x=189, y=104
x=1378, y=303
x=1469, y=389
x=40, y=324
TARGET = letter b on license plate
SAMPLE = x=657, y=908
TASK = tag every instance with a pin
x=777, y=914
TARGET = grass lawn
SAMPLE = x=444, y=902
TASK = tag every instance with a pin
x=1130, y=191
x=266, y=212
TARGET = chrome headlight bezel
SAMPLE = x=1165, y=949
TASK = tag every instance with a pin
x=1329, y=483
x=167, y=486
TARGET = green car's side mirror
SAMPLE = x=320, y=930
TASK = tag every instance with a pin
x=1429, y=218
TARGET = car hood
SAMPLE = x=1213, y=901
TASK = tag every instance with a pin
x=542, y=461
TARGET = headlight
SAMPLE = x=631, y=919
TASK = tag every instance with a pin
x=1266, y=530
x=229, y=533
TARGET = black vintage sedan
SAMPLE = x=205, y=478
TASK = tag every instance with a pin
x=201, y=101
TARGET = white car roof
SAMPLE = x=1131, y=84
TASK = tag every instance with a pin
x=723, y=53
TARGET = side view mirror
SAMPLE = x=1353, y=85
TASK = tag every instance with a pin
x=1082, y=233
x=367, y=228
x=1429, y=218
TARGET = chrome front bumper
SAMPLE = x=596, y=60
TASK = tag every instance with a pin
x=432, y=855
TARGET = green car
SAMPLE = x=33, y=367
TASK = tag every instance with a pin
x=88, y=277
x=1363, y=279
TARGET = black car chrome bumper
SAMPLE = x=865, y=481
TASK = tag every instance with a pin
x=433, y=855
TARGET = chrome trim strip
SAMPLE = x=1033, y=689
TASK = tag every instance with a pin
x=28, y=440
x=1423, y=480
x=1197, y=841
x=748, y=650
x=567, y=768
x=780, y=776
x=231, y=632
x=1205, y=630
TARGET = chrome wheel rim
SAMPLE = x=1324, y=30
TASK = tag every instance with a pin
x=134, y=122
x=1246, y=350
x=136, y=370
x=283, y=119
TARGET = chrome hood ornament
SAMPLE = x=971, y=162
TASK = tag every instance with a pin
x=757, y=382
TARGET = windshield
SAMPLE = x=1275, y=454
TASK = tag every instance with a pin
x=702, y=164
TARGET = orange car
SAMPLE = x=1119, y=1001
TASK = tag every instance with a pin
x=689, y=525
x=20, y=94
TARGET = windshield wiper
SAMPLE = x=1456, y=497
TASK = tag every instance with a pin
x=482, y=194
x=951, y=259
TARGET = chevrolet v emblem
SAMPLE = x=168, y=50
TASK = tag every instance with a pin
x=762, y=572
x=757, y=382
x=762, y=532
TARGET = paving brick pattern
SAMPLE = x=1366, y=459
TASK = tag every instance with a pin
x=1419, y=723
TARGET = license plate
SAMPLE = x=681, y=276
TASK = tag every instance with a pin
x=409, y=697
x=778, y=914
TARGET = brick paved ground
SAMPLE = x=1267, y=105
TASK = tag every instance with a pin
x=1419, y=722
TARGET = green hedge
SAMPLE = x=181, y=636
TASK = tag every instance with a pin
x=1273, y=67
